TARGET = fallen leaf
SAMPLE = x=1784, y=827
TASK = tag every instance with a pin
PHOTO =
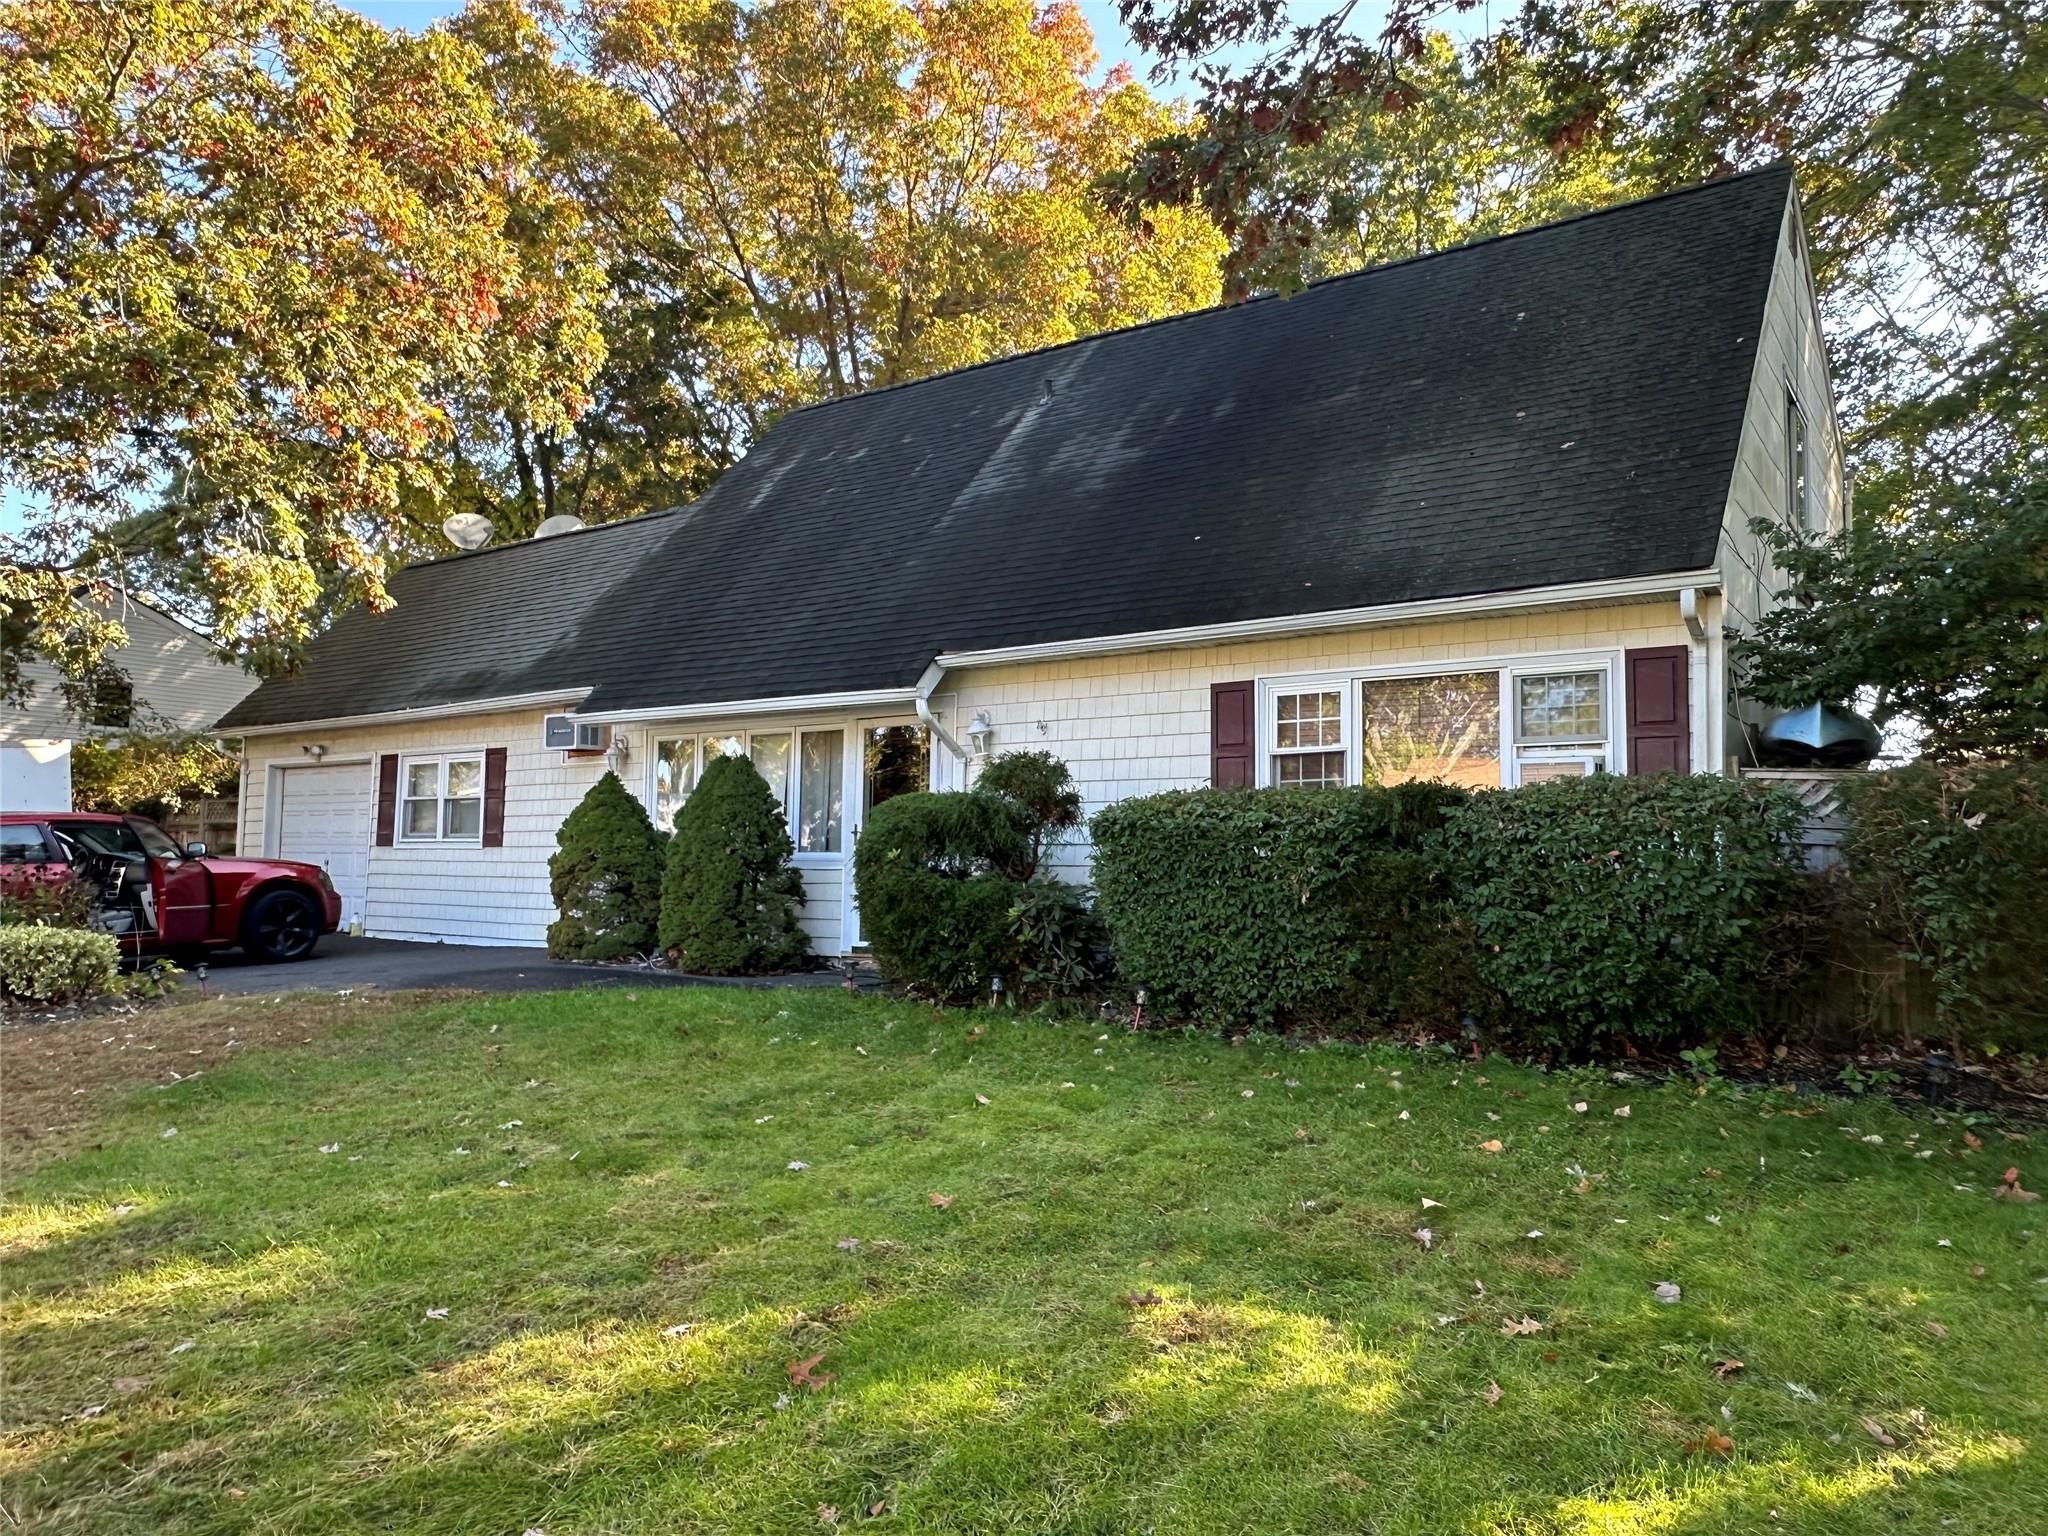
x=1934, y=1329
x=796, y=1166
x=437, y=1313
x=1515, y=1328
x=1804, y=1394
x=181, y=1346
x=1726, y=1368
x=1425, y=1237
x=805, y=1373
x=2009, y=1189
x=1142, y=1298
x=878, y=1508
x=332, y=1146
x=827, y=1515
x=676, y=1330
x=981, y=1098
x=1668, y=1293
x=939, y=1200
x=1533, y=1232
x=848, y=1245
x=1973, y=1141
x=1877, y=1432
x=1713, y=1441
x=1490, y=1146
x=1579, y=1108
x=128, y=1386
x=1621, y=1113
x=1493, y=1393
x=1431, y=1205
x=781, y=1401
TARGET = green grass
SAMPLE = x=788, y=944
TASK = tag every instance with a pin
x=1308, y=1365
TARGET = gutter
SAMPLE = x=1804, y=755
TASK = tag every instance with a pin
x=510, y=701
x=926, y=686
x=1480, y=605
x=788, y=704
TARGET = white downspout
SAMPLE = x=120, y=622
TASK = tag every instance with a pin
x=927, y=685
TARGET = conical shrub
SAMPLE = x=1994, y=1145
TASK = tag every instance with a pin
x=729, y=896
x=605, y=876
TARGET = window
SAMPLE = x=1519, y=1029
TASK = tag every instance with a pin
x=443, y=798
x=1560, y=724
x=1308, y=738
x=805, y=769
x=23, y=845
x=1445, y=728
x=1799, y=503
x=821, y=791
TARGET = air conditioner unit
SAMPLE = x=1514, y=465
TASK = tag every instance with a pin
x=565, y=733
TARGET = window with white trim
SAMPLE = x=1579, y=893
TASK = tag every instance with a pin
x=1444, y=726
x=805, y=769
x=442, y=798
x=1309, y=747
x=1560, y=724
x=1801, y=506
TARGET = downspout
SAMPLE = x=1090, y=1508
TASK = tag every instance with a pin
x=927, y=685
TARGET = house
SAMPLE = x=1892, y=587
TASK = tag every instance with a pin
x=165, y=674
x=1483, y=514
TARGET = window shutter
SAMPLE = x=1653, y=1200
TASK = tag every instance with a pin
x=1230, y=735
x=1660, y=709
x=387, y=798
x=494, y=797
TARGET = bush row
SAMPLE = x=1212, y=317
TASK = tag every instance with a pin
x=718, y=896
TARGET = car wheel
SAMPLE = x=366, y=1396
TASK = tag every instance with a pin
x=282, y=926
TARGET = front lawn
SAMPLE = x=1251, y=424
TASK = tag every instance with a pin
x=558, y=1262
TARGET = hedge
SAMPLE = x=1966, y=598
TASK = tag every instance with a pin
x=1945, y=871
x=1647, y=908
x=1282, y=906
x=56, y=965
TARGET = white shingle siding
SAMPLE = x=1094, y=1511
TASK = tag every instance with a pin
x=172, y=670
x=454, y=891
x=1138, y=724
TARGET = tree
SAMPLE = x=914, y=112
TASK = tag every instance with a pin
x=251, y=253
x=154, y=763
x=1917, y=127
x=605, y=876
x=1038, y=791
x=729, y=895
x=1939, y=617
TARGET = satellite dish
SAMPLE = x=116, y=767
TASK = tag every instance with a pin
x=468, y=530
x=561, y=522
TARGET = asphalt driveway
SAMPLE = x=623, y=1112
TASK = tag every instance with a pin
x=392, y=964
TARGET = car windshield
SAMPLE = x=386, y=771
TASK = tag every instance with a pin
x=155, y=841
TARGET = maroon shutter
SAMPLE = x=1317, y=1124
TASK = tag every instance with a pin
x=1659, y=710
x=494, y=797
x=1230, y=735
x=387, y=798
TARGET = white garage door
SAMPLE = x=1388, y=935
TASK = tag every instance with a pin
x=324, y=818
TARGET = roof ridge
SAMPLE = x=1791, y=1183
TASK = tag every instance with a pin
x=529, y=541
x=1779, y=165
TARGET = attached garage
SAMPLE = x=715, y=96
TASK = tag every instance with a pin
x=323, y=817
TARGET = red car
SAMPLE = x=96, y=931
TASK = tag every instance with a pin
x=157, y=897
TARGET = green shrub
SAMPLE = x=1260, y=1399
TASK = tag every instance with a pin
x=1283, y=906
x=1040, y=793
x=1062, y=946
x=56, y=965
x=729, y=895
x=1946, y=867
x=605, y=877
x=934, y=902
x=1643, y=908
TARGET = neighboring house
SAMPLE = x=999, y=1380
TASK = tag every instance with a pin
x=164, y=673
x=1482, y=515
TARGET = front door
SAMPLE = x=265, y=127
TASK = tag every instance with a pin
x=895, y=758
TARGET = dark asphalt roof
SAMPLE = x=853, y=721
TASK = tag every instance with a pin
x=1559, y=405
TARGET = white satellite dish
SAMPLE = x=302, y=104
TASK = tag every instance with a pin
x=468, y=530
x=561, y=522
